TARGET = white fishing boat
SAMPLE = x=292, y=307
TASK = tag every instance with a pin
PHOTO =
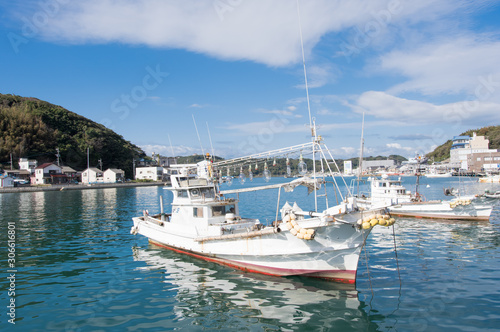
x=392, y=194
x=490, y=179
x=207, y=223
x=436, y=174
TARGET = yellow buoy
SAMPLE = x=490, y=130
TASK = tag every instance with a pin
x=289, y=226
x=297, y=228
x=303, y=231
x=373, y=222
x=366, y=225
x=310, y=231
x=293, y=222
x=382, y=222
x=293, y=231
x=308, y=237
x=367, y=219
x=286, y=218
x=300, y=236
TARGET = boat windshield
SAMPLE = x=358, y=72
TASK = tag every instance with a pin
x=222, y=210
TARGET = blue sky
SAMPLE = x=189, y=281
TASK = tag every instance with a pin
x=422, y=71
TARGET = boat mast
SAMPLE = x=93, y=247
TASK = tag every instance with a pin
x=360, y=163
x=312, y=124
x=198, y=134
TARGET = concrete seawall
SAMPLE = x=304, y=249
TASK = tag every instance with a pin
x=63, y=187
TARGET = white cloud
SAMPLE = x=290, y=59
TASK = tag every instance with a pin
x=259, y=30
x=414, y=112
x=164, y=150
x=197, y=106
x=398, y=147
x=450, y=66
x=320, y=75
x=290, y=111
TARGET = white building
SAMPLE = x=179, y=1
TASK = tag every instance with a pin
x=92, y=175
x=45, y=173
x=28, y=164
x=463, y=146
x=371, y=165
x=114, y=175
x=154, y=173
x=347, y=167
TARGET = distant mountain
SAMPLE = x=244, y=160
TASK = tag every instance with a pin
x=32, y=128
x=492, y=133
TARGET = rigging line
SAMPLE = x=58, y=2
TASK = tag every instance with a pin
x=171, y=147
x=360, y=163
x=313, y=131
x=197, y=133
x=399, y=274
x=369, y=276
x=210, y=137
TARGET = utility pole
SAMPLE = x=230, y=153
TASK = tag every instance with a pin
x=58, y=155
x=88, y=171
x=100, y=163
x=133, y=167
x=11, y=161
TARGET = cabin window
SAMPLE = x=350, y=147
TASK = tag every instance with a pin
x=195, y=192
x=182, y=193
x=207, y=192
x=198, y=212
x=222, y=210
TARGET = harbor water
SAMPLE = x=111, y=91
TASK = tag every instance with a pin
x=69, y=263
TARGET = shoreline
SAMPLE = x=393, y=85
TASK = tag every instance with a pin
x=64, y=187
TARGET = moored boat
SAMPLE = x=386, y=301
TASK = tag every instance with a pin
x=490, y=179
x=403, y=203
x=206, y=223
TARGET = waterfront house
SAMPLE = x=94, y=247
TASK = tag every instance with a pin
x=70, y=173
x=28, y=164
x=47, y=173
x=6, y=181
x=92, y=175
x=114, y=175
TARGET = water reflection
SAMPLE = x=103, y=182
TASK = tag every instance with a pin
x=203, y=288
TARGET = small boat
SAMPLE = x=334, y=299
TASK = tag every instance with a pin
x=494, y=195
x=490, y=179
x=206, y=222
x=403, y=203
x=461, y=208
x=439, y=175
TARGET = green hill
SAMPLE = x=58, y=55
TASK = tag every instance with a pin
x=32, y=128
x=492, y=133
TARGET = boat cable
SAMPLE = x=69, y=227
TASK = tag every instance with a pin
x=399, y=274
x=369, y=276
x=198, y=134
x=313, y=131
